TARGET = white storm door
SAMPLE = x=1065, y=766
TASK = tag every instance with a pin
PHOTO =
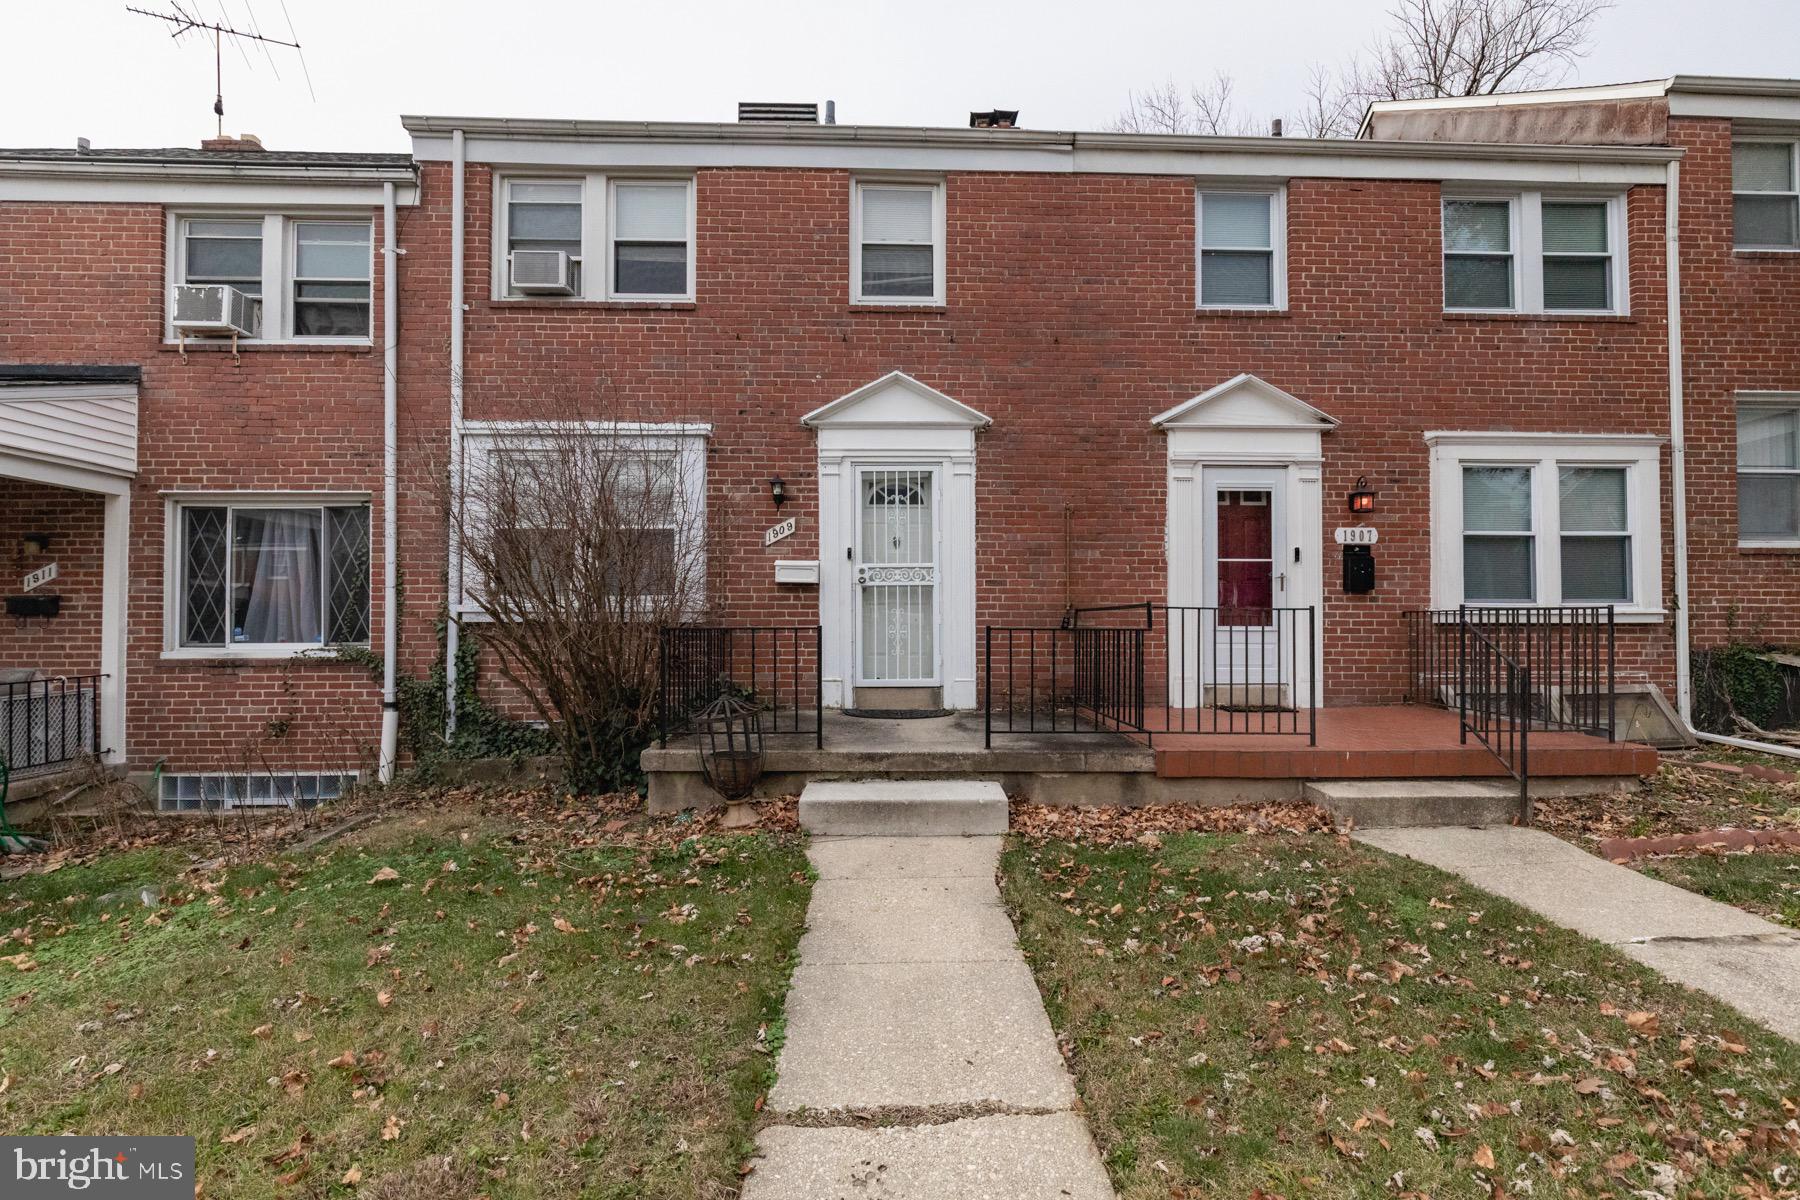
x=896, y=566
x=1244, y=581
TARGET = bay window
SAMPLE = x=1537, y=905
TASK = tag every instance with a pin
x=268, y=574
x=1768, y=471
x=1551, y=519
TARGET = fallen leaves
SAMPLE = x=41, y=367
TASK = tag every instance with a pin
x=390, y=1129
x=385, y=875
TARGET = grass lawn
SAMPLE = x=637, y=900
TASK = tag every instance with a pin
x=1761, y=881
x=1298, y=1015
x=1686, y=798
x=460, y=1000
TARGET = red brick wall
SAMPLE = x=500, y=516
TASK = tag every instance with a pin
x=69, y=643
x=83, y=283
x=1740, y=332
x=1070, y=321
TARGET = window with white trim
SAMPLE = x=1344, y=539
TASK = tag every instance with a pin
x=1557, y=520
x=651, y=256
x=1765, y=194
x=626, y=238
x=1534, y=252
x=642, y=487
x=1768, y=471
x=1240, y=239
x=897, y=242
x=312, y=276
x=268, y=575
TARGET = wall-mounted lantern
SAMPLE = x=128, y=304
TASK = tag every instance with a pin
x=36, y=543
x=778, y=490
x=1362, y=497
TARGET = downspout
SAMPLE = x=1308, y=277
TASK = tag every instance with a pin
x=1684, y=683
x=453, y=631
x=390, y=465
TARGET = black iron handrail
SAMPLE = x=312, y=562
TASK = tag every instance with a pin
x=49, y=722
x=1245, y=670
x=776, y=667
x=1571, y=652
x=1494, y=702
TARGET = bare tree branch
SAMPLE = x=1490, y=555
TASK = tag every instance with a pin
x=1205, y=108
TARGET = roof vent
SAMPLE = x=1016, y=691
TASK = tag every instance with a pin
x=83, y=145
x=778, y=114
x=997, y=118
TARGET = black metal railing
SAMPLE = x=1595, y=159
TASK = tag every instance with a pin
x=1494, y=702
x=1116, y=668
x=777, y=667
x=46, y=723
x=1241, y=670
x=1570, y=652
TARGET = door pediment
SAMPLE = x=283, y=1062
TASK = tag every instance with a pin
x=896, y=401
x=1245, y=402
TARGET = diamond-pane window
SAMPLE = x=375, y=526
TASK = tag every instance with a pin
x=273, y=575
x=203, y=576
x=347, y=575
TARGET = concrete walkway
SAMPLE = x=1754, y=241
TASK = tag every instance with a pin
x=919, y=1063
x=1750, y=963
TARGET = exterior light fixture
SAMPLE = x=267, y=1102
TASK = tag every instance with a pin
x=1362, y=497
x=36, y=543
x=778, y=491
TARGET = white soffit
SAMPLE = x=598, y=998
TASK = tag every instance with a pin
x=896, y=400
x=1245, y=402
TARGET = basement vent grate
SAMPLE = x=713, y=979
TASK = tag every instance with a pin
x=216, y=791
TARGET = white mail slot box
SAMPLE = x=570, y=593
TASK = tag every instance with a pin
x=797, y=570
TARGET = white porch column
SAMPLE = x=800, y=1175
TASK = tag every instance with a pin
x=115, y=588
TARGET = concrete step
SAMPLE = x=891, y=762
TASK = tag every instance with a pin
x=1396, y=803
x=903, y=808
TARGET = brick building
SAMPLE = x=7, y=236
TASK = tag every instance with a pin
x=998, y=372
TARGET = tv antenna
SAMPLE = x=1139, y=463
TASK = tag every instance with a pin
x=185, y=22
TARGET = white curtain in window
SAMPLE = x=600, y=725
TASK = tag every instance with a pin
x=275, y=576
x=1762, y=167
x=1767, y=437
x=1234, y=221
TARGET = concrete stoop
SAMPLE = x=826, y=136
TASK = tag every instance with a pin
x=1408, y=803
x=903, y=808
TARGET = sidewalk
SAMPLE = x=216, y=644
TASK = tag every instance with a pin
x=919, y=1062
x=1750, y=963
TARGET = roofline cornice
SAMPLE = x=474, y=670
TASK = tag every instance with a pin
x=189, y=172
x=716, y=133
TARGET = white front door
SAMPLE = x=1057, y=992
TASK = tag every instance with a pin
x=1245, y=547
x=896, y=562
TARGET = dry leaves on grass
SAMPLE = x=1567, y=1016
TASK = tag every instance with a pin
x=1107, y=826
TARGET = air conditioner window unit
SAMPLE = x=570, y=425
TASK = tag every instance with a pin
x=542, y=272
x=215, y=309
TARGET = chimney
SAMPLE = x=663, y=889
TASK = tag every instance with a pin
x=242, y=142
x=764, y=113
x=995, y=118
x=82, y=145
x=1275, y=127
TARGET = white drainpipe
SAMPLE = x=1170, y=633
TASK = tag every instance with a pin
x=1684, y=683
x=452, y=632
x=390, y=435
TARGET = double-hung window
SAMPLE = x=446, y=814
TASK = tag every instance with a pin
x=544, y=214
x=1534, y=252
x=1765, y=195
x=331, y=279
x=624, y=238
x=311, y=277
x=652, y=253
x=1557, y=520
x=1768, y=471
x=897, y=243
x=1240, y=241
x=268, y=575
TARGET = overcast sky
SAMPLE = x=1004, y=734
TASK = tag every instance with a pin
x=77, y=68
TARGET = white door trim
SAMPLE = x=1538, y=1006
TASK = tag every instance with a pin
x=896, y=420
